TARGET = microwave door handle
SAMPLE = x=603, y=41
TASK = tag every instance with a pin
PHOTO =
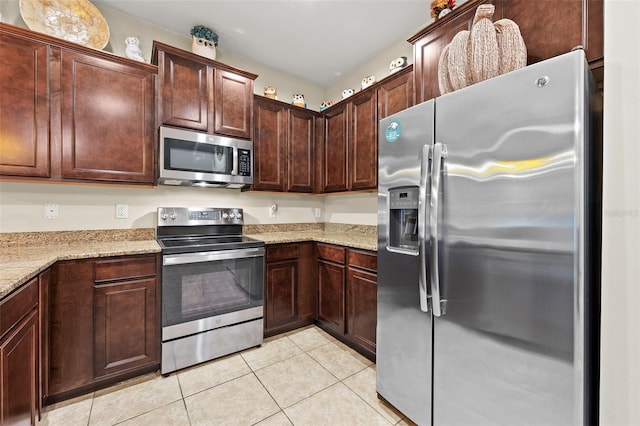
x=234, y=171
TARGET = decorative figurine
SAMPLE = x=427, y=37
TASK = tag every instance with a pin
x=132, y=50
x=347, y=92
x=368, y=81
x=298, y=100
x=397, y=64
x=270, y=92
x=325, y=104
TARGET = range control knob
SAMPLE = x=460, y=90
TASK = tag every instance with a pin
x=238, y=215
x=173, y=216
x=232, y=215
x=164, y=216
x=225, y=215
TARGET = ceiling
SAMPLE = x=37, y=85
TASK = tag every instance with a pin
x=316, y=40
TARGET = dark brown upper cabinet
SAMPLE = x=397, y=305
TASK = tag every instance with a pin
x=202, y=94
x=548, y=30
x=70, y=113
x=283, y=143
x=349, y=149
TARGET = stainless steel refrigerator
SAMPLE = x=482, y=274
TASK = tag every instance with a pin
x=488, y=251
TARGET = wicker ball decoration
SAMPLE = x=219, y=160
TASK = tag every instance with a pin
x=488, y=50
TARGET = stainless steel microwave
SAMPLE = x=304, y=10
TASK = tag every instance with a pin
x=194, y=158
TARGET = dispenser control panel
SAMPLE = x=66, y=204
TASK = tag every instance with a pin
x=403, y=219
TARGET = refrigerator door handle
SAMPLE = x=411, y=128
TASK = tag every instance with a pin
x=423, y=236
x=439, y=154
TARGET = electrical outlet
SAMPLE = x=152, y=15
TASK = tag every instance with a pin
x=318, y=212
x=122, y=211
x=51, y=211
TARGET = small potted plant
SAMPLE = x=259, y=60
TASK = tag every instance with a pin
x=204, y=41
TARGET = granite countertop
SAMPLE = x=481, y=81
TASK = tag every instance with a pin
x=23, y=255
x=363, y=242
x=363, y=237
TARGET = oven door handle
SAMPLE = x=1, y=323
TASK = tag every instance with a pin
x=209, y=256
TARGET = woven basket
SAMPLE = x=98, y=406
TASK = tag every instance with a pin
x=488, y=50
x=203, y=47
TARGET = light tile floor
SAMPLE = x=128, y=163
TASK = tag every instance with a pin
x=304, y=377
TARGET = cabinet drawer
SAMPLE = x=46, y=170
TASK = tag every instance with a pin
x=18, y=305
x=333, y=253
x=276, y=253
x=363, y=259
x=127, y=268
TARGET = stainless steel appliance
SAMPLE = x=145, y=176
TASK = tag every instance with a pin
x=488, y=255
x=193, y=158
x=212, y=285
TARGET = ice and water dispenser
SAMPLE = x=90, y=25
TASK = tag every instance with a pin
x=403, y=219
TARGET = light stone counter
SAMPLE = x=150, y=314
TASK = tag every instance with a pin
x=363, y=242
x=25, y=255
x=363, y=237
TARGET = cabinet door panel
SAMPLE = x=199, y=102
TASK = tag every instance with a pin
x=70, y=326
x=363, y=142
x=186, y=90
x=19, y=373
x=307, y=282
x=125, y=324
x=24, y=107
x=427, y=52
x=396, y=95
x=281, y=301
x=335, y=148
x=331, y=295
x=547, y=31
x=269, y=145
x=233, y=104
x=300, y=152
x=362, y=307
x=551, y=31
x=107, y=116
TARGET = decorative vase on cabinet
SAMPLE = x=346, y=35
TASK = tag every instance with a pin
x=203, y=47
x=204, y=41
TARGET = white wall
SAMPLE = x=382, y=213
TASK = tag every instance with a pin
x=93, y=207
x=378, y=66
x=620, y=364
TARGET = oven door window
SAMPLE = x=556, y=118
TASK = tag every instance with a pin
x=192, y=291
x=197, y=157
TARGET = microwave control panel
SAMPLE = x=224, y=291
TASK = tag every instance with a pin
x=244, y=162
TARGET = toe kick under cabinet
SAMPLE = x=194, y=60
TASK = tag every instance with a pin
x=104, y=323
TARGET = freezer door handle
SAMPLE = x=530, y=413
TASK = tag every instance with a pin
x=439, y=154
x=423, y=236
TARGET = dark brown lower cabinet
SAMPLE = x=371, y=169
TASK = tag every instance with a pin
x=19, y=356
x=104, y=323
x=290, y=287
x=347, y=296
x=331, y=294
x=125, y=323
x=362, y=299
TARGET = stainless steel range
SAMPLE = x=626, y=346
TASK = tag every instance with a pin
x=212, y=285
